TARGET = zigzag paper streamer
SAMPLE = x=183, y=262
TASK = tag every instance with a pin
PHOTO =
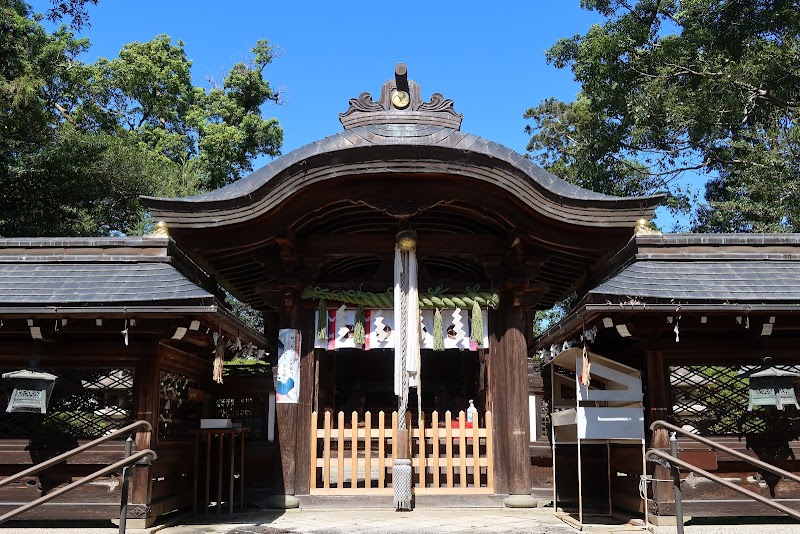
x=341, y=320
x=382, y=331
x=458, y=324
x=425, y=337
x=379, y=326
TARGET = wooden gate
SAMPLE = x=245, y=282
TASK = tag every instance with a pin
x=357, y=457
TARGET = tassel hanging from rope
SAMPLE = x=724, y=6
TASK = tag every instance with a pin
x=359, y=329
x=476, y=327
x=438, y=331
x=219, y=358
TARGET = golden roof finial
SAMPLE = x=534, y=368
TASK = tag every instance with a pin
x=644, y=227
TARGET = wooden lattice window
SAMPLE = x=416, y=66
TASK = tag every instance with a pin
x=713, y=400
x=85, y=403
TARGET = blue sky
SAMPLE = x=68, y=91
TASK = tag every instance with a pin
x=487, y=57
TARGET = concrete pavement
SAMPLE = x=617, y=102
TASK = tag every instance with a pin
x=372, y=521
x=341, y=521
x=379, y=521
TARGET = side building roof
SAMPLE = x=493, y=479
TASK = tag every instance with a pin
x=703, y=269
x=679, y=273
x=703, y=281
x=126, y=277
x=97, y=271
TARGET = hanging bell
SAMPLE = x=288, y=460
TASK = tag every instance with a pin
x=407, y=239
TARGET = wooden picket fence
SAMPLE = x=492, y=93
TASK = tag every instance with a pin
x=358, y=457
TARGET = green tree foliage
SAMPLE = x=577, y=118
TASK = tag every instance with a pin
x=544, y=319
x=74, y=10
x=249, y=316
x=80, y=142
x=669, y=86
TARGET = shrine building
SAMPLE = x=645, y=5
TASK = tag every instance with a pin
x=342, y=242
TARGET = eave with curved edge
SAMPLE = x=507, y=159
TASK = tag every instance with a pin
x=326, y=213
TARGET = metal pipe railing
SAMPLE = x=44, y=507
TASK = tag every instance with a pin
x=755, y=496
x=77, y=450
x=78, y=483
x=727, y=450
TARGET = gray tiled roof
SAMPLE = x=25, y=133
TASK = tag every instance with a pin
x=76, y=283
x=693, y=281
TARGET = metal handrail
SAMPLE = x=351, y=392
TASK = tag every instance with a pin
x=78, y=483
x=714, y=478
x=675, y=462
x=723, y=448
x=77, y=450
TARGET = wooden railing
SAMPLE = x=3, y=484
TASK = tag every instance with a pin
x=357, y=457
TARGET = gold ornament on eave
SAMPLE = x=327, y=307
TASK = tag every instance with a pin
x=160, y=230
x=643, y=227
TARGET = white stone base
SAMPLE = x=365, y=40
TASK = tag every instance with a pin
x=520, y=501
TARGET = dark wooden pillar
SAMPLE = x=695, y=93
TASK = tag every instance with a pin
x=146, y=387
x=286, y=414
x=496, y=400
x=509, y=372
x=658, y=403
x=305, y=403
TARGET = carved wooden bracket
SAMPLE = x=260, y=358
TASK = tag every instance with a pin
x=290, y=292
x=288, y=255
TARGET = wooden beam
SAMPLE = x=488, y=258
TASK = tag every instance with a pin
x=417, y=190
x=382, y=244
x=198, y=339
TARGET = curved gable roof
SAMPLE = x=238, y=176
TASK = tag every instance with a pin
x=397, y=147
x=401, y=161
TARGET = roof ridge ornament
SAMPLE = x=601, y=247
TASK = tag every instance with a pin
x=400, y=103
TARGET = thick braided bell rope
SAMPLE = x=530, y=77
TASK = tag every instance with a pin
x=402, y=400
x=402, y=473
x=402, y=484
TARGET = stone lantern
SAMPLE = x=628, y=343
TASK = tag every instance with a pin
x=31, y=391
x=770, y=386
